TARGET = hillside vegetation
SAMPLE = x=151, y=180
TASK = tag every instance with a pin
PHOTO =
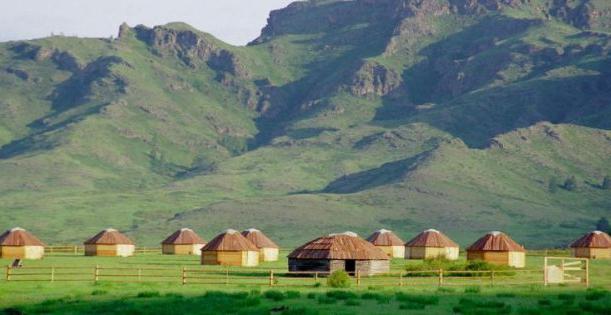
x=463, y=115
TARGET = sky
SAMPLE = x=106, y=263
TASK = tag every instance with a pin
x=234, y=21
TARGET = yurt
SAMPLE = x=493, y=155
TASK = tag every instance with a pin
x=109, y=242
x=230, y=248
x=344, y=251
x=389, y=242
x=183, y=242
x=596, y=244
x=431, y=244
x=497, y=248
x=268, y=250
x=19, y=243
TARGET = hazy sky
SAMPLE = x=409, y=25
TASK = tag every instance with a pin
x=234, y=21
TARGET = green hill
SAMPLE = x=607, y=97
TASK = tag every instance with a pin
x=462, y=115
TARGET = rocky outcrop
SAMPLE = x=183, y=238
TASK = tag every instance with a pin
x=63, y=59
x=585, y=15
x=192, y=48
x=374, y=79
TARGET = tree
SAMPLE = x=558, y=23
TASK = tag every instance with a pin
x=552, y=185
x=570, y=183
x=603, y=225
x=606, y=185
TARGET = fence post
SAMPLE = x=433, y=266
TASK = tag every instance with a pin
x=184, y=276
x=401, y=278
x=587, y=273
x=8, y=273
x=271, y=278
x=96, y=273
x=75, y=250
x=358, y=278
x=545, y=271
x=52, y=273
x=492, y=278
x=440, y=277
x=316, y=277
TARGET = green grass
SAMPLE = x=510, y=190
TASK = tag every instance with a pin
x=172, y=297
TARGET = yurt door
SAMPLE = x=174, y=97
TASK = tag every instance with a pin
x=350, y=266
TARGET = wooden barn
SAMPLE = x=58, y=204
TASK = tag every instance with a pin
x=498, y=248
x=431, y=244
x=230, y=248
x=19, y=243
x=268, y=250
x=109, y=242
x=389, y=242
x=183, y=242
x=592, y=245
x=345, y=251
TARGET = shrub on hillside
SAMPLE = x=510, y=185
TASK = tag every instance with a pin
x=339, y=279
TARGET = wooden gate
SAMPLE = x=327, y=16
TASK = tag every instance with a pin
x=559, y=270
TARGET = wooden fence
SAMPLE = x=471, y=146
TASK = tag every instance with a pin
x=271, y=278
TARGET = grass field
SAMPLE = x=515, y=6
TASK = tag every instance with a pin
x=290, y=296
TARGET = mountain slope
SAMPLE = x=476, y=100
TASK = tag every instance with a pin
x=341, y=115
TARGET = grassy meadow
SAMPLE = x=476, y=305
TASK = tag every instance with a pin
x=158, y=295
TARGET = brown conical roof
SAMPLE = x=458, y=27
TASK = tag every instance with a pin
x=496, y=241
x=339, y=246
x=230, y=240
x=109, y=237
x=258, y=238
x=384, y=237
x=595, y=239
x=431, y=238
x=19, y=237
x=183, y=236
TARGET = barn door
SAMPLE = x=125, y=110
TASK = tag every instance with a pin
x=558, y=270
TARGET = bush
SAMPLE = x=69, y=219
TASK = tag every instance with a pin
x=370, y=296
x=148, y=294
x=311, y=295
x=473, y=290
x=446, y=290
x=545, y=302
x=98, y=292
x=566, y=297
x=339, y=279
x=418, y=299
x=323, y=299
x=353, y=302
x=595, y=294
x=342, y=295
x=505, y=295
x=293, y=294
x=274, y=295
x=412, y=306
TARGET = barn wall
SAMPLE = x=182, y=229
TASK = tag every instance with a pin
x=372, y=267
x=250, y=258
x=393, y=251
x=514, y=259
x=125, y=250
x=431, y=252
x=594, y=253
x=22, y=252
x=230, y=258
x=100, y=250
x=314, y=265
x=517, y=259
x=268, y=254
x=182, y=249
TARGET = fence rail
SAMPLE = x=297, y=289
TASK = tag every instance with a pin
x=270, y=277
